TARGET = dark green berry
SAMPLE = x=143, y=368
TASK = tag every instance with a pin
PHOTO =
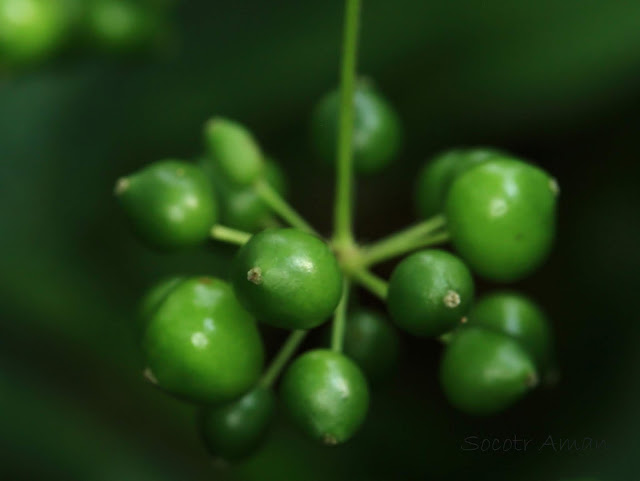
x=32, y=29
x=236, y=430
x=122, y=25
x=170, y=204
x=377, y=133
x=201, y=345
x=430, y=293
x=326, y=395
x=372, y=342
x=484, y=372
x=501, y=216
x=152, y=300
x=438, y=174
x=234, y=150
x=519, y=317
x=287, y=278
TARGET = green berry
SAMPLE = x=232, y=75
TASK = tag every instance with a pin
x=484, y=372
x=377, y=133
x=501, y=216
x=430, y=292
x=234, y=150
x=516, y=316
x=32, y=29
x=372, y=342
x=170, y=204
x=326, y=395
x=242, y=208
x=121, y=25
x=287, y=278
x=152, y=300
x=438, y=174
x=234, y=431
x=201, y=345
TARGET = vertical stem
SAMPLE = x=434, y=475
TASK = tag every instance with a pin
x=287, y=350
x=340, y=319
x=343, y=234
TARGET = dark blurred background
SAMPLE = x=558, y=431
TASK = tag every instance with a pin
x=557, y=82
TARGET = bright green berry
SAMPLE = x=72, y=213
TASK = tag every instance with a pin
x=201, y=345
x=234, y=150
x=484, y=372
x=377, y=133
x=326, y=395
x=152, y=300
x=236, y=430
x=519, y=317
x=430, y=292
x=287, y=278
x=170, y=204
x=121, y=25
x=372, y=342
x=438, y=174
x=32, y=29
x=501, y=216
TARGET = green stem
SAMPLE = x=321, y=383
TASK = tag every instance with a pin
x=371, y=282
x=340, y=319
x=287, y=350
x=420, y=235
x=343, y=234
x=229, y=235
x=271, y=197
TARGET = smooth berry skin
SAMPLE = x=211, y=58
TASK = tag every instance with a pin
x=517, y=316
x=372, y=343
x=234, y=150
x=438, y=174
x=240, y=206
x=30, y=30
x=169, y=204
x=430, y=293
x=326, y=396
x=377, y=131
x=287, y=278
x=236, y=430
x=152, y=300
x=121, y=25
x=201, y=345
x=501, y=217
x=484, y=372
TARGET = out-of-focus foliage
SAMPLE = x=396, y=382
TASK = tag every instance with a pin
x=557, y=82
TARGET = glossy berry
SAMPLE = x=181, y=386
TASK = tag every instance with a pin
x=484, y=372
x=240, y=206
x=122, y=25
x=519, y=317
x=152, y=300
x=430, y=292
x=236, y=430
x=32, y=29
x=287, y=278
x=377, y=131
x=170, y=204
x=201, y=345
x=501, y=216
x=372, y=342
x=438, y=174
x=326, y=395
x=234, y=150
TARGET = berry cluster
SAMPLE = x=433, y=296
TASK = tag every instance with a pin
x=200, y=338
x=32, y=30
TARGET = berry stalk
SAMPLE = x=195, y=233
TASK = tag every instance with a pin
x=231, y=236
x=343, y=233
x=287, y=351
x=287, y=213
x=339, y=320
